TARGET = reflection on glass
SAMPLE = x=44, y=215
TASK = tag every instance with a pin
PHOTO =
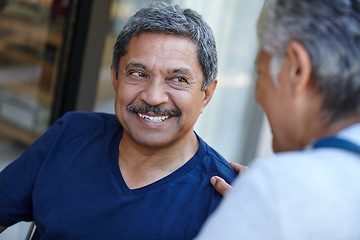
x=120, y=12
x=30, y=42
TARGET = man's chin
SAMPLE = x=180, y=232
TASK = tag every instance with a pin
x=153, y=142
x=277, y=147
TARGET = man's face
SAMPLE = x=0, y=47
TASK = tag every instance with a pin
x=158, y=90
x=277, y=103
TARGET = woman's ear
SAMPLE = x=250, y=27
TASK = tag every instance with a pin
x=208, y=93
x=299, y=66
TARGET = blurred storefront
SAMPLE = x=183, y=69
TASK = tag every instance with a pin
x=31, y=39
x=42, y=53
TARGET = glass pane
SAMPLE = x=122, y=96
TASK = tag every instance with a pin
x=31, y=35
x=120, y=12
x=225, y=122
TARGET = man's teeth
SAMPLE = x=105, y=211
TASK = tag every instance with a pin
x=153, y=119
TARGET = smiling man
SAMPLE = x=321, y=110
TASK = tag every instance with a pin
x=144, y=173
x=158, y=100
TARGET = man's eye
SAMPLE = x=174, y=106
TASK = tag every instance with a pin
x=138, y=74
x=181, y=79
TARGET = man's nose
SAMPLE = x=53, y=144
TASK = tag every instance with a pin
x=155, y=93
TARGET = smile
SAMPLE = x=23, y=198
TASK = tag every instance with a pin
x=153, y=119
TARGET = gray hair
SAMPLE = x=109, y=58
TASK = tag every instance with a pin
x=171, y=19
x=330, y=32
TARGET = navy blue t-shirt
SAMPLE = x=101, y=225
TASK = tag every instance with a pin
x=70, y=184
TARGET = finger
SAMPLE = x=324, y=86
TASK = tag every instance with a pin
x=220, y=185
x=238, y=167
x=2, y=228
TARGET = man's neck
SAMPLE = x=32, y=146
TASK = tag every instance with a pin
x=142, y=165
x=332, y=128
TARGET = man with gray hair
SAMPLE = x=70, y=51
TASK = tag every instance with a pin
x=309, y=87
x=144, y=173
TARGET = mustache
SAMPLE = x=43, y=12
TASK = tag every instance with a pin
x=154, y=109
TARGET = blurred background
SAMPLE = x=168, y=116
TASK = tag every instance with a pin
x=55, y=56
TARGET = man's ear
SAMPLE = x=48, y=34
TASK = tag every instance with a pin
x=299, y=66
x=114, y=81
x=208, y=93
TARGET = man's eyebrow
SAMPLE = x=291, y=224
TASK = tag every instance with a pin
x=135, y=65
x=182, y=71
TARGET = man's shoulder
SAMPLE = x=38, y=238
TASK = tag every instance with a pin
x=73, y=123
x=79, y=119
x=89, y=116
x=214, y=162
x=313, y=163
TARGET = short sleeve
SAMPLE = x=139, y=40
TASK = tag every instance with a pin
x=18, y=178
